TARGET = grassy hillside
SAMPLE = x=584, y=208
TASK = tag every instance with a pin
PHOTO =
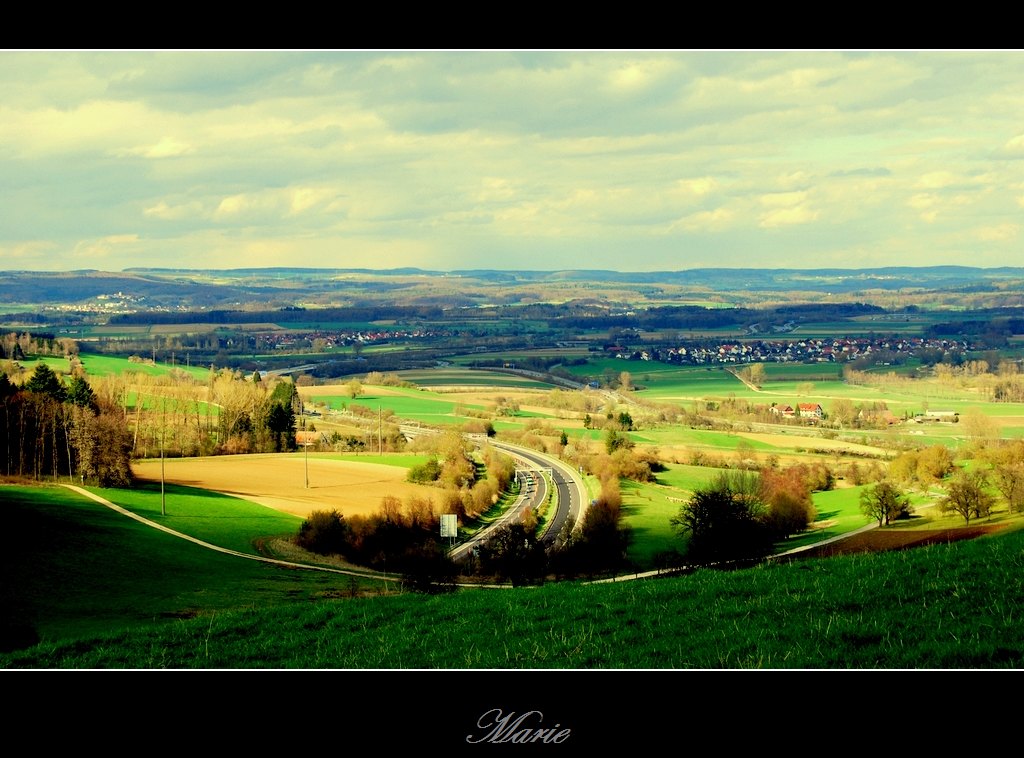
x=947, y=607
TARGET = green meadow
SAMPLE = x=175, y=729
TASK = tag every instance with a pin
x=105, y=592
x=454, y=376
x=108, y=365
x=79, y=569
x=221, y=520
x=647, y=508
x=426, y=408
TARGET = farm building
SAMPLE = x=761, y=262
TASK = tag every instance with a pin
x=810, y=410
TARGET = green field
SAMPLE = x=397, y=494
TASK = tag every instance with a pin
x=80, y=569
x=647, y=508
x=453, y=376
x=221, y=520
x=104, y=592
x=424, y=407
x=107, y=365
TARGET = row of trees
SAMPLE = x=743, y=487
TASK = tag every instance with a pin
x=52, y=430
x=403, y=539
x=970, y=493
x=189, y=416
x=52, y=425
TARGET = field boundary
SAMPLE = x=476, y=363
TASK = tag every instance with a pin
x=217, y=548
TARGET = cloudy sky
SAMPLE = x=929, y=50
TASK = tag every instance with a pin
x=626, y=160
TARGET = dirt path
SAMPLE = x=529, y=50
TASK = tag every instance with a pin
x=217, y=548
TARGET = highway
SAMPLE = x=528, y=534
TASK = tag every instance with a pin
x=570, y=497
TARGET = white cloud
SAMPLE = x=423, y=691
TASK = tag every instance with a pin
x=705, y=221
x=799, y=214
x=166, y=147
x=636, y=75
x=449, y=152
x=275, y=203
x=696, y=187
x=28, y=252
x=936, y=180
x=999, y=232
x=922, y=201
x=1015, y=146
x=105, y=246
x=162, y=210
x=783, y=199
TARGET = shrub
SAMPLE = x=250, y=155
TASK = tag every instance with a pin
x=426, y=473
x=427, y=568
x=324, y=532
x=514, y=554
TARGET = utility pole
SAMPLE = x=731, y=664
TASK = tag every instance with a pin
x=163, y=432
x=380, y=438
x=305, y=445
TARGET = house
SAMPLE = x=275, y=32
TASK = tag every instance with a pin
x=950, y=417
x=810, y=410
x=880, y=416
x=786, y=411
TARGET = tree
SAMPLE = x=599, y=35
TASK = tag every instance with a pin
x=514, y=554
x=786, y=494
x=601, y=542
x=978, y=426
x=724, y=521
x=1009, y=480
x=281, y=424
x=615, y=440
x=756, y=374
x=933, y=464
x=45, y=382
x=843, y=412
x=885, y=502
x=324, y=532
x=103, y=446
x=80, y=393
x=903, y=468
x=354, y=388
x=967, y=496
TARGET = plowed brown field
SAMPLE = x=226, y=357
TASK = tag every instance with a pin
x=278, y=481
x=875, y=540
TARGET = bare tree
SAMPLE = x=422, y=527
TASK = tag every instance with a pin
x=1008, y=478
x=967, y=496
x=885, y=502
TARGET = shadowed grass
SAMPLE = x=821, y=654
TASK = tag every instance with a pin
x=950, y=606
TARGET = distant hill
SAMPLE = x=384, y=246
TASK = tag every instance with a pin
x=275, y=288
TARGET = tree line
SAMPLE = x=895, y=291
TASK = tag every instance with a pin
x=50, y=429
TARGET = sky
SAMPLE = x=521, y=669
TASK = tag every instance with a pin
x=633, y=160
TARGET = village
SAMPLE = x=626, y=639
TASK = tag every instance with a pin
x=825, y=350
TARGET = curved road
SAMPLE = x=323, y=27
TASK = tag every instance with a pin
x=570, y=491
x=570, y=497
